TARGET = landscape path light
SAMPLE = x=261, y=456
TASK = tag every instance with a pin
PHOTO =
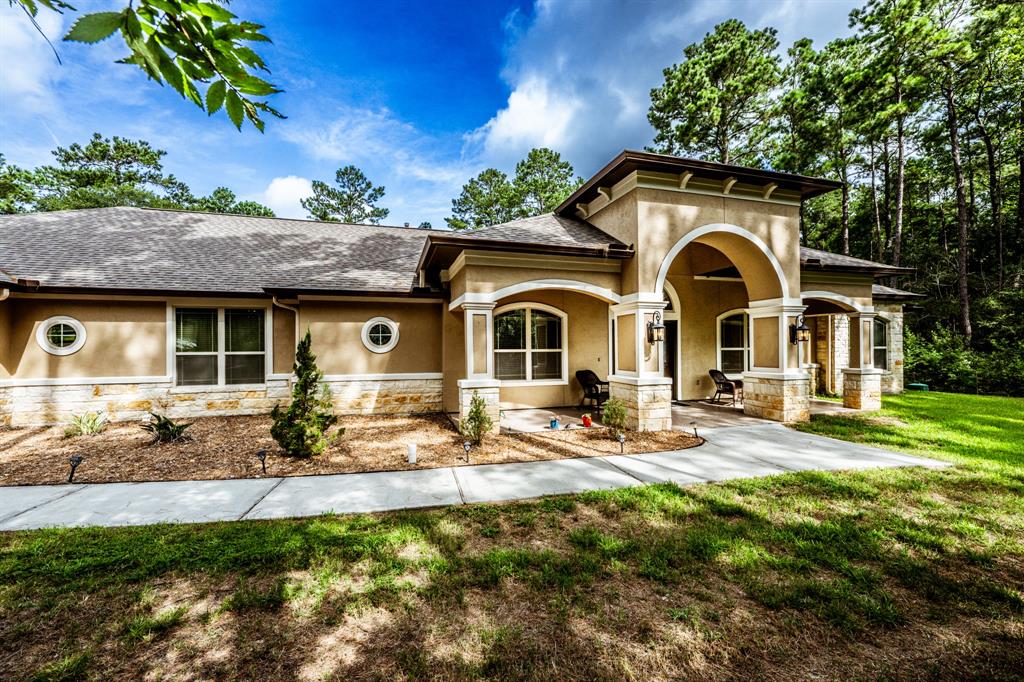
x=262, y=456
x=75, y=461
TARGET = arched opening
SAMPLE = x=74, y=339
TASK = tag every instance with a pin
x=733, y=306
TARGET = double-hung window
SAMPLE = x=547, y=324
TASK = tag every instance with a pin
x=219, y=346
x=733, y=343
x=529, y=345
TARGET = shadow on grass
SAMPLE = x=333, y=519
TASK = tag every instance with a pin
x=431, y=594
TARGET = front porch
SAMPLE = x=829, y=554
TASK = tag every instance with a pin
x=686, y=415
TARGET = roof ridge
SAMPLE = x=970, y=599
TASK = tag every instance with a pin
x=267, y=217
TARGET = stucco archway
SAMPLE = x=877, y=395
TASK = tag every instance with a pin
x=758, y=265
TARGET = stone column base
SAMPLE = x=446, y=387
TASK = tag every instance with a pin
x=814, y=369
x=862, y=389
x=782, y=398
x=486, y=389
x=648, y=402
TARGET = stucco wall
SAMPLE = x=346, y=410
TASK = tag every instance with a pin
x=337, y=326
x=588, y=348
x=284, y=340
x=122, y=339
x=5, y=339
x=487, y=279
x=665, y=217
x=856, y=289
x=453, y=357
x=619, y=220
x=701, y=302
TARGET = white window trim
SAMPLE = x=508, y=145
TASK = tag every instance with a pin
x=528, y=351
x=172, y=346
x=746, y=341
x=44, y=328
x=370, y=345
x=875, y=345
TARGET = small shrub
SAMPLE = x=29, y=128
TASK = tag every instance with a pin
x=165, y=429
x=302, y=429
x=613, y=416
x=88, y=424
x=477, y=423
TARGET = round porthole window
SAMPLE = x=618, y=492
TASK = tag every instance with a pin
x=61, y=335
x=380, y=334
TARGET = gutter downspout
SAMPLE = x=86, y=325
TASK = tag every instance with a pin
x=295, y=310
x=5, y=294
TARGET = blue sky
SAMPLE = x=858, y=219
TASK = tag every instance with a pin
x=421, y=96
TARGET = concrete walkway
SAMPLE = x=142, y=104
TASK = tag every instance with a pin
x=731, y=452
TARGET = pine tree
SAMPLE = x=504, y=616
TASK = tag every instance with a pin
x=302, y=429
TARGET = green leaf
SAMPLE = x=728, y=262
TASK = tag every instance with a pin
x=215, y=97
x=92, y=28
x=215, y=12
x=234, y=107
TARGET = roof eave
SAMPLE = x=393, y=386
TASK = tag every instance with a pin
x=610, y=250
x=813, y=186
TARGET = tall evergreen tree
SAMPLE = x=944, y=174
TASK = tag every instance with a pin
x=353, y=199
x=223, y=200
x=715, y=103
x=108, y=172
x=17, y=188
x=542, y=181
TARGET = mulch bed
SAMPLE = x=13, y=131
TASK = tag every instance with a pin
x=225, y=447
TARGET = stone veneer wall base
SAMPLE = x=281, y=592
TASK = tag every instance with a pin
x=782, y=399
x=55, y=404
x=862, y=389
x=648, y=406
x=489, y=391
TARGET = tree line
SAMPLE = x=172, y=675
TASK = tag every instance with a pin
x=920, y=114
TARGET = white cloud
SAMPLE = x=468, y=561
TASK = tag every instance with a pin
x=585, y=91
x=366, y=137
x=28, y=67
x=284, y=193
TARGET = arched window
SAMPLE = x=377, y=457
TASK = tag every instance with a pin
x=529, y=343
x=880, y=345
x=733, y=342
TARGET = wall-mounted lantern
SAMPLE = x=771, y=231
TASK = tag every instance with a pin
x=655, y=329
x=799, y=332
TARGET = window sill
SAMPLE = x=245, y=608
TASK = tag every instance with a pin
x=207, y=388
x=514, y=383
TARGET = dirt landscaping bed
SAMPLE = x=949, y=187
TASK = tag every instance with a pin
x=225, y=447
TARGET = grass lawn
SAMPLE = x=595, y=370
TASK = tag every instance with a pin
x=894, y=574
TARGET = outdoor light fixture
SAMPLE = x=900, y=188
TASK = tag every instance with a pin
x=466, y=445
x=694, y=425
x=622, y=443
x=799, y=332
x=412, y=453
x=75, y=461
x=655, y=329
x=262, y=456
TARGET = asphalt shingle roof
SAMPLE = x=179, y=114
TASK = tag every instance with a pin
x=828, y=259
x=135, y=248
x=548, y=229
x=882, y=291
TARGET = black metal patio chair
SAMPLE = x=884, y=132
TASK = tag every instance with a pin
x=594, y=390
x=726, y=386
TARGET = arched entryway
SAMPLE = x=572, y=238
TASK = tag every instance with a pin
x=709, y=271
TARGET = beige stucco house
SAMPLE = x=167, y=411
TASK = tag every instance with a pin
x=127, y=310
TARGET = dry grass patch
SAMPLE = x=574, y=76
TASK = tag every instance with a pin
x=225, y=447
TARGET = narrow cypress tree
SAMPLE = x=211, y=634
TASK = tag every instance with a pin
x=302, y=429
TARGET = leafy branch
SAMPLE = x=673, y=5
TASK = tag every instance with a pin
x=185, y=44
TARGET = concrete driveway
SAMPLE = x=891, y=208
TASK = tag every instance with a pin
x=762, y=449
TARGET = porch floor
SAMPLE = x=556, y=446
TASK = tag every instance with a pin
x=685, y=415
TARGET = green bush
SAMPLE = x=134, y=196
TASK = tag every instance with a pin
x=88, y=424
x=477, y=423
x=302, y=429
x=613, y=416
x=165, y=429
x=945, y=363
